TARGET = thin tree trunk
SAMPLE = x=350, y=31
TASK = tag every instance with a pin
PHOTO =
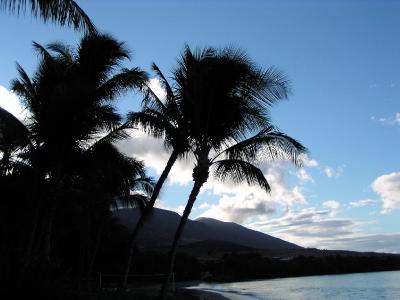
x=146, y=213
x=35, y=221
x=31, y=239
x=81, y=259
x=88, y=249
x=49, y=232
x=192, y=198
x=52, y=214
x=95, y=250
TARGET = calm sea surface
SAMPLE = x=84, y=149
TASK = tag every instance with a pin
x=358, y=286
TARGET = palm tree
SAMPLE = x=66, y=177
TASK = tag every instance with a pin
x=165, y=119
x=222, y=103
x=63, y=12
x=160, y=119
x=106, y=180
x=70, y=100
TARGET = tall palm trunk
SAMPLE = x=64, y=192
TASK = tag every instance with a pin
x=146, y=214
x=200, y=176
x=93, y=255
x=32, y=234
x=49, y=232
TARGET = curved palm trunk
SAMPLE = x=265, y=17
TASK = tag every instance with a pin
x=31, y=239
x=200, y=176
x=5, y=162
x=48, y=233
x=146, y=213
x=95, y=250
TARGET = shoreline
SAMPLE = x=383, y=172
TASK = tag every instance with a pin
x=206, y=294
x=189, y=284
x=201, y=294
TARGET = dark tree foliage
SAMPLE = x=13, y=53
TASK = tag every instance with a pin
x=224, y=98
x=63, y=12
x=61, y=174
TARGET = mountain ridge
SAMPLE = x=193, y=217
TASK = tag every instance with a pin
x=160, y=229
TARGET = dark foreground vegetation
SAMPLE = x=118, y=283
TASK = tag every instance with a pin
x=264, y=265
x=62, y=173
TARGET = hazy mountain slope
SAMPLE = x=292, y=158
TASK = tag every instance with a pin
x=161, y=227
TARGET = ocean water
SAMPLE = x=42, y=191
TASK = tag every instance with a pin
x=358, y=286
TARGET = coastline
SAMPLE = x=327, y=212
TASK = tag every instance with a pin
x=368, y=285
x=205, y=294
x=200, y=294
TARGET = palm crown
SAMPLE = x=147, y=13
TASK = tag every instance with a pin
x=70, y=98
x=73, y=121
x=224, y=97
x=63, y=12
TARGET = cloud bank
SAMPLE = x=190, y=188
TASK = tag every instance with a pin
x=10, y=102
x=388, y=188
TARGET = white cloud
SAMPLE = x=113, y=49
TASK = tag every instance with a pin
x=240, y=207
x=333, y=206
x=363, y=202
x=157, y=88
x=314, y=228
x=303, y=175
x=10, y=102
x=242, y=203
x=204, y=205
x=328, y=172
x=155, y=156
x=308, y=162
x=389, y=243
x=237, y=202
x=388, y=188
x=179, y=209
x=306, y=227
x=334, y=173
x=390, y=121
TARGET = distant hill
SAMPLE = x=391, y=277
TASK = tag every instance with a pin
x=160, y=229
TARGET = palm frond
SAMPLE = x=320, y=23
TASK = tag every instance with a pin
x=238, y=171
x=121, y=82
x=13, y=133
x=41, y=50
x=268, y=144
x=99, y=55
x=135, y=200
x=24, y=87
x=118, y=133
x=63, y=12
x=164, y=81
x=151, y=100
x=144, y=184
x=272, y=85
x=151, y=122
x=62, y=50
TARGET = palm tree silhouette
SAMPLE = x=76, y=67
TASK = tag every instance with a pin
x=223, y=98
x=63, y=12
x=106, y=179
x=70, y=100
x=160, y=119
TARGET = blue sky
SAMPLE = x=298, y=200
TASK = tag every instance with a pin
x=343, y=60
